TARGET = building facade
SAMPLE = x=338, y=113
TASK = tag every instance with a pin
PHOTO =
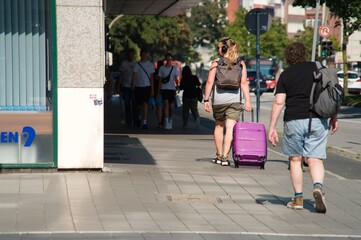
x=52, y=72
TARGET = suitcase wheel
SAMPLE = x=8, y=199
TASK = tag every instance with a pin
x=236, y=162
x=263, y=163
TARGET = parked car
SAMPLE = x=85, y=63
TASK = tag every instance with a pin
x=270, y=80
x=252, y=82
x=354, y=81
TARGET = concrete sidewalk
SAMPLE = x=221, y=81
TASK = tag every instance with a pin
x=160, y=184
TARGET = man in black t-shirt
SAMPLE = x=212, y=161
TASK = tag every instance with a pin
x=293, y=90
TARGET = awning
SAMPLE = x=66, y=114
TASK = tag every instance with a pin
x=148, y=7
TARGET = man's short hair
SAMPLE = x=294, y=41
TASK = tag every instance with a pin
x=168, y=55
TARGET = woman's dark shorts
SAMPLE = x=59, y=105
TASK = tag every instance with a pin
x=227, y=111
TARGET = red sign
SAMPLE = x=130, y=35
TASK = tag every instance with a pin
x=324, y=31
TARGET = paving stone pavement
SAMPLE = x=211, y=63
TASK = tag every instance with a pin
x=161, y=184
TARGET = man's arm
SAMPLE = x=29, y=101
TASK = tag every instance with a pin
x=278, y=104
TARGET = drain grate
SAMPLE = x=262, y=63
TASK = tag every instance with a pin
x=188, y=198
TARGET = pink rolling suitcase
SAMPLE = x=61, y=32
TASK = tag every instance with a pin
x=249, y=144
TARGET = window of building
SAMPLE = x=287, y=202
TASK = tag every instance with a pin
x=26, y=80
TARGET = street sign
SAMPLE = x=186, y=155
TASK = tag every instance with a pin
x=324, y=31
x=264, y=20
x=258, y=21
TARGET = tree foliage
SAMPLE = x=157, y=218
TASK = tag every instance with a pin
x=158, y=34
x=207, y=22
x=349, y=11
x=272, y=43
x=306, y=37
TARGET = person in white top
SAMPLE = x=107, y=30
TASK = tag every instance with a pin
x=143, y=87
x=125, y=87
x=168, y=75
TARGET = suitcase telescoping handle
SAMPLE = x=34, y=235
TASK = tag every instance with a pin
x=242, y=115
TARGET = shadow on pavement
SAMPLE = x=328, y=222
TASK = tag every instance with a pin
x=308, y=204
x=126, y=150
x=121, y=143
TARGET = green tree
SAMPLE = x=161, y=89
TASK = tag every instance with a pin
x=272, y=43
x=207, y=21
x=306, y=37
x=349, y=11
x=158, y=34
x=239, y=33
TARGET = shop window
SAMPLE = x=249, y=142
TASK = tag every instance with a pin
x=26, y=82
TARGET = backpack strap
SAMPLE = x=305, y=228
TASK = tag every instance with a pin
x=316, y=77
x=144, y=70
x=221, y=61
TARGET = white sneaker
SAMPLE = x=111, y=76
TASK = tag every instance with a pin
x=166, y=124
x=170, y=123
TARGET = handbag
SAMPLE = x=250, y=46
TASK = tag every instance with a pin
x=178, y=102
x=151, y=103
x=199, y=94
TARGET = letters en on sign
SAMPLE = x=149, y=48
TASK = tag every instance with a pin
x=28, y=133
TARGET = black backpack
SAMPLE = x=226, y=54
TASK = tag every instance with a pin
x=326, y=94
x=228, y=78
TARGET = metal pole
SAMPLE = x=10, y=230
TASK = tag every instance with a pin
x=315, y=31
x=258, y=63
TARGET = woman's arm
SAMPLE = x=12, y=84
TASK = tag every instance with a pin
x=245, y=88
x=209, y=86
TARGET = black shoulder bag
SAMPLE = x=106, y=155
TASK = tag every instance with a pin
x=167, y=78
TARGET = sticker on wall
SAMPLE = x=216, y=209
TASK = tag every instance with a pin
x=98, y=102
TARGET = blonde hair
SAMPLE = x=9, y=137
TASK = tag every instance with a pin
x=232, y=53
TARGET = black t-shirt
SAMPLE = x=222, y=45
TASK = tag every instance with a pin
x=296, y=82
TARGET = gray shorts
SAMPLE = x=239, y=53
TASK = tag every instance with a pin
x=227, y=111
x=298, y=142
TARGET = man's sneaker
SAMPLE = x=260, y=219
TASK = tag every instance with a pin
x=166, y=124
x=320, y=205
x=216, y=159
x=297, y=203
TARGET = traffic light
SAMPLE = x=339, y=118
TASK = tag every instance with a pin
x=330, y=48
x=326, y=49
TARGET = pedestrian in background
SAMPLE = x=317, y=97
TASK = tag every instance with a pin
x=168, y=74
x=108, y=86
x=293, y=90
x=127, y=75
x=143, y=87
x=226, y=104
x=189, y=84
x=157, y=96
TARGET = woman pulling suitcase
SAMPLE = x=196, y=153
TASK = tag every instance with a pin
x=226, y=78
